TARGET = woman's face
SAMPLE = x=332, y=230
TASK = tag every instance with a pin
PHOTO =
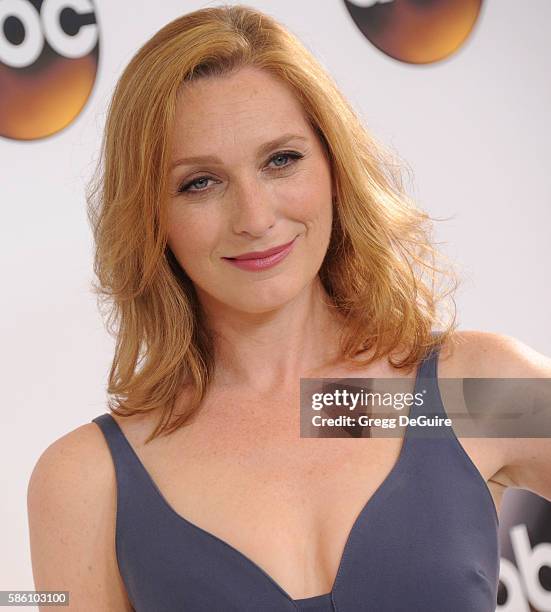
x=235, y=190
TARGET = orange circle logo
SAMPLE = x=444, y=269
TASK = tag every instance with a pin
x=49, y=52
x=415, y=31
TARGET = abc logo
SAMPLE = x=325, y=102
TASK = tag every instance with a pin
x=523, y=584
x=49, y=54
x=414, y=31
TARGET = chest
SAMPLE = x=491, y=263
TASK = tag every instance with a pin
x=288, y=504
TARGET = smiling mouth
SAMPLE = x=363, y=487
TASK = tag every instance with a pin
x=262, y=254
x=256, y=264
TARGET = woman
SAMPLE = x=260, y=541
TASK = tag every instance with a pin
x=225, y=139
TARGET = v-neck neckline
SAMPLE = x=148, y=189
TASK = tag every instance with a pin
x=246, y=559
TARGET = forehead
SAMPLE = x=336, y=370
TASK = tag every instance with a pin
x=247, y=106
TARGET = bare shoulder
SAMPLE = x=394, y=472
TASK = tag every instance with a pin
x=71, y=502
x=473, y=354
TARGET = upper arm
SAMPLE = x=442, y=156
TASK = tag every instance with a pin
x=527, y=461
x=71, y=502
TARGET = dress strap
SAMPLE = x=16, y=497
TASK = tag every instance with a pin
x=128, y=467
x=432, y=405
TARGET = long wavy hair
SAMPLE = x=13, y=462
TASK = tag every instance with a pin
x=380, y=270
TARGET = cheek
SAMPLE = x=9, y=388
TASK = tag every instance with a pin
x=190, y=236
x=310, y=200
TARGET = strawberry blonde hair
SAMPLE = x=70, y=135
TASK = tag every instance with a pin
x=380, y=270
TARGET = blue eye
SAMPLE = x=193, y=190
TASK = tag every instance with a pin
x=185, y=187
x=293, y=156
x=192, y=183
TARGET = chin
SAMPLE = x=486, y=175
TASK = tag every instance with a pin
x=257, y=305
x=257, y=300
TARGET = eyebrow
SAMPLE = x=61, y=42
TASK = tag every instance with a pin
x=263, y=149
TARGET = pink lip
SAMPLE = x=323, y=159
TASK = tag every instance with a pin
x=263, y=263
x=261, y=254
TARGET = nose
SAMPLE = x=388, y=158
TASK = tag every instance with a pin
x=253, y=210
